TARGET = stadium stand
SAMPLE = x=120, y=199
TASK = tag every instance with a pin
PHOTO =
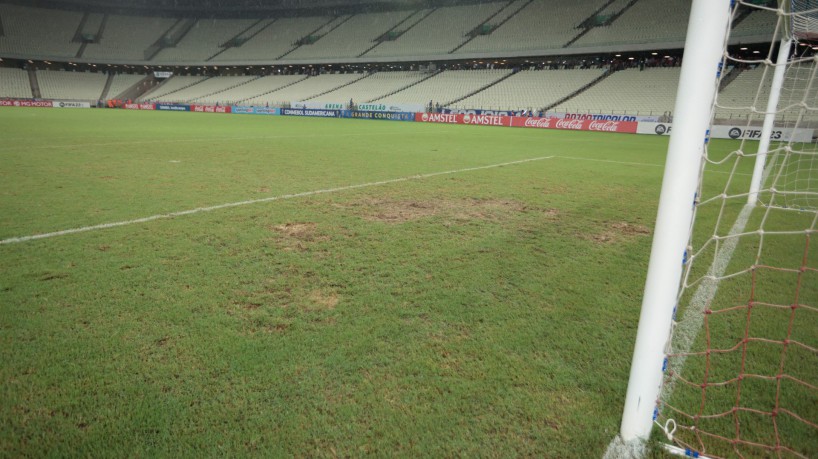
x=305, y=89
x=250, y=89
x=208, y=86
x=122, y=82
x=127, y=38
x=378, y=85
x=166, y=91
x=14, y=83
x=646, y=21
x=352, y=38
x=747, y=29
x=735, y=99
x=634, y=92
x=71, y=85
x=540, y=25
x=438, y=33
x=203, y=39
x=533, y=89
x=446, y=87
x=38, y=32
x=275, y=40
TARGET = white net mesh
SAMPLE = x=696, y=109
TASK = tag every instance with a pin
x=742, y=363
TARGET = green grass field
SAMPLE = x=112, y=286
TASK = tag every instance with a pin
x=488, y=311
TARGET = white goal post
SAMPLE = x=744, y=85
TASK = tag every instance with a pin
x=731, y=251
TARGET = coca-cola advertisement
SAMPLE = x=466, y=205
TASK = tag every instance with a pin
x=210, y=108
x=575, y=124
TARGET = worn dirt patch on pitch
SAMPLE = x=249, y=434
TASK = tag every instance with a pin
x=400, y=211
x=324, y=300
x=617, y=231
x=296, y=236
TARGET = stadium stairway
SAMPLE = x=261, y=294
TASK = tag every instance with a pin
x=734, y=72
x=137, y=90
x=589, y=23
x=503, y=78
x=340, y=20
x=177, y=89
x=107, y=87
x=341, y=86
x=433, y=74
x=241, y=37
x=170, y=38
x=35, y=84
x=476, y=31
x=78, y=33
x=384, y=36
x=421, y=19
x=274, y=90
x=225, y=89
x=578, y=91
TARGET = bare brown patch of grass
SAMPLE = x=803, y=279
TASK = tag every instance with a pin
x=618, y=231
x=296, y=236
x=323, y=299
x=400, y=211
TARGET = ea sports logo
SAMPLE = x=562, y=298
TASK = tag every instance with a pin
x=734, y=133
x=660, y=129
x=425, y=117
x=466, y=119
x=62, y=104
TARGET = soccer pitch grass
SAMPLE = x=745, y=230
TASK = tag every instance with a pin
x=488, y=311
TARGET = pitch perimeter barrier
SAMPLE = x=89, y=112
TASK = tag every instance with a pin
x=210, y=108
x=388, y=116
x=310, y=112
x=529, y=122
x=139, y=106
x=736, y=132
x=26, y=103
x=173, y=107
x=248, y=110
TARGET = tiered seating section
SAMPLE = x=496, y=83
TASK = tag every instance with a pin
x=446, y=87
x=516, y=26
x=534, y=89
x=438, y=33
x=647, y=21
x=71, y=85
x=14, y=83
x=37, y=31
x=126, y=38
x=736, y=100
x=203, y=40
x=541, y=25
x=637, y=92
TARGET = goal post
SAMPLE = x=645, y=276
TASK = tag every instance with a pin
x=698, y=83
x=725, y=362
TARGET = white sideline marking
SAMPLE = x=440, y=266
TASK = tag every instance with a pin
x=197, y=210
x=630, y=163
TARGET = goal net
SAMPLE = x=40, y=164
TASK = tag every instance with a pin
x=741, y=365
x=726, y=359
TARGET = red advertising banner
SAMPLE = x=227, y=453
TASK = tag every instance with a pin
x=26, y=103
x=575, y=124
x=139, y=107
x=529, y=122
x=211, y=108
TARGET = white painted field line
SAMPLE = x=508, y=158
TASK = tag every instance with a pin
x=631, y=163
x=197, y=210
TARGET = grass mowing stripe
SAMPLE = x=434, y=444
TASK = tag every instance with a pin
x=83, y=229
